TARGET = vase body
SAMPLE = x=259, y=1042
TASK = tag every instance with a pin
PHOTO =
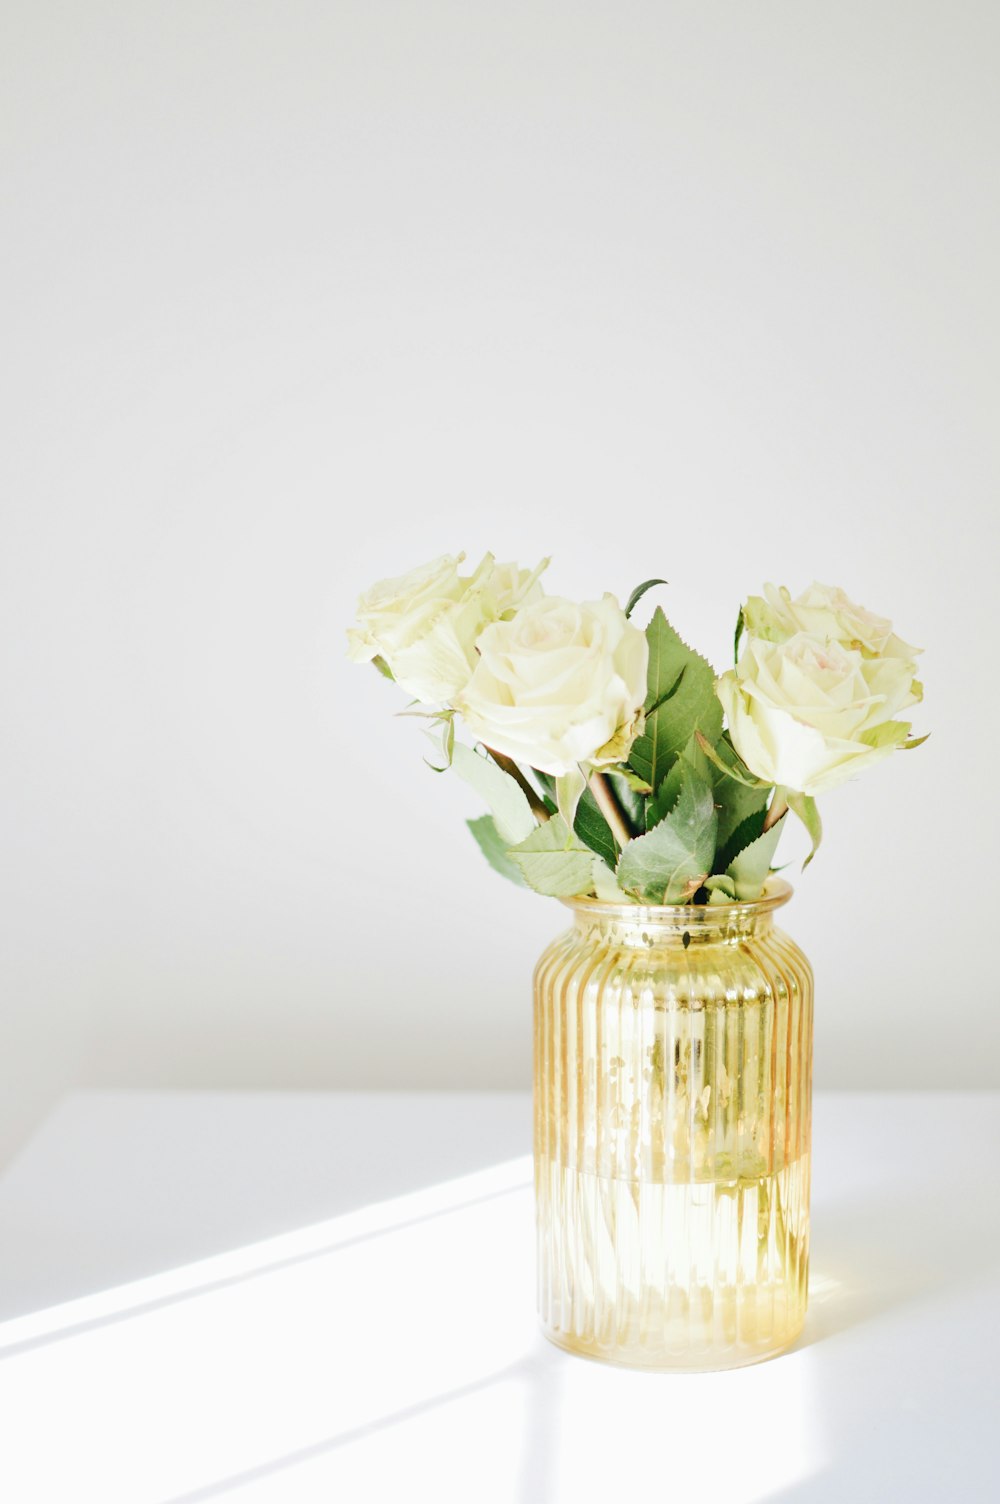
x=673, y=1054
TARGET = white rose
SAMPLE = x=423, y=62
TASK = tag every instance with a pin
x=560, y=684
x=425, y=624
x=826, y=612
x=808, y=712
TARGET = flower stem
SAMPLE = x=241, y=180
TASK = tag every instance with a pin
x=778, y=806
x=508, y=765
x=608, y=806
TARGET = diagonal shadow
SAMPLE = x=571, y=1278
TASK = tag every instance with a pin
x=227, y=1281
x=347, y=1438
x=544, y=1369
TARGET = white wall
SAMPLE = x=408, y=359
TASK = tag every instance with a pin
x=299, y=295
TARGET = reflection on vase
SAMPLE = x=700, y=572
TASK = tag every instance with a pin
x=673, y=1052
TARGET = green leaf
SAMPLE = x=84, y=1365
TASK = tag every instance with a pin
x=592, y=828
x=749, y=869
x=605, y=886
x=666, y=795
x=736, y=804
x=547, y=785
x=740, y=624
x=638, y=593
x=670, y=863
x=745, y=833
x=590, y=825
x=569, y=788
x=447, y=729
x=630, y=801
x=554, y=861
x=738, y=792
x=666, y=694
x=631, y=780
x=494, y=849
x=724, y=756
x=680, y=698
x=721, y=890
x=506, y=800
x=913, y=741
x=804, y=806
x=383, y=668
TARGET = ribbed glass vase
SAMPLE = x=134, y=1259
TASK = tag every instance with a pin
x=673, y=1054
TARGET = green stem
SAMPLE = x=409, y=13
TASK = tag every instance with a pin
x=508, y=765
x=608, y=806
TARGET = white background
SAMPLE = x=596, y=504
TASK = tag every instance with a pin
x=298, y=295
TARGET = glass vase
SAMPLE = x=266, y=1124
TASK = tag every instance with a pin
x=673, y=1065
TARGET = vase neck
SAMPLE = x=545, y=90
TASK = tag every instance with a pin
x=685, y=925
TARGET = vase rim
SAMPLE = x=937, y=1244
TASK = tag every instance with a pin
x=776, y=892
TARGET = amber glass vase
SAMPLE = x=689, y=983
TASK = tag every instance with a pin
x=673, y=1053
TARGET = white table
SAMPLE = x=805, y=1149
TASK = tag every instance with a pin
x=277, y=1298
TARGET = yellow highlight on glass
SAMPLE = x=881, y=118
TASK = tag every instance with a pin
x=673, y=1065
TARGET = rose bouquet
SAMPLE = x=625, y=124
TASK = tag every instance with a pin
x=614, y=761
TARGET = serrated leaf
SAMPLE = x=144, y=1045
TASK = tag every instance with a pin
x=494, y=849
x=680, y=698
x=665, y=797
x=670, y=862
x=738, y=792
x=638, y=593
x=507, y=802
x=554, y=861
x=745, y=833
x=736, y=804
x=749, y=869
x=721, y=889
x=804, y=806
x=695, y=757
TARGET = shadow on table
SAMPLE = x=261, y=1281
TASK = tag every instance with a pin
x=876, y=1256
x=871, y=1256
x=138, y=1183
x=537, y=1370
